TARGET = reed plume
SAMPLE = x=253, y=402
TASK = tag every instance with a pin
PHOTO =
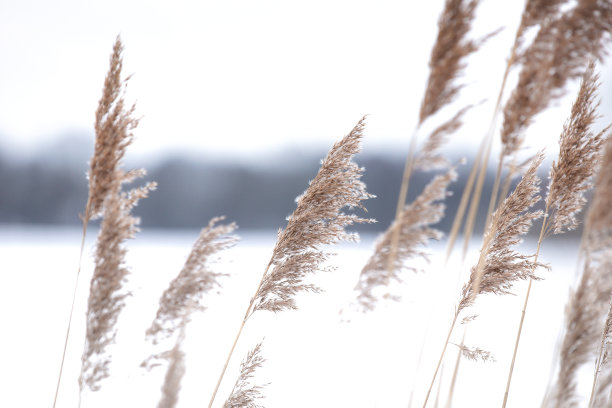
x=318, y=220
x=446, y=63
x=429, y=157
x=244, y=394
x=597, y=246
x=416, y=230
x=583, y=316
x=448, y=55
x=570, y=178
x=579, y=153
x=500, y=266
x=557, y=55
x=174, y=373
x=114, y=126
x=106, y=299
x=195, y=279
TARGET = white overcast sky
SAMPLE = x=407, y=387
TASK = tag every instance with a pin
x=241, y=76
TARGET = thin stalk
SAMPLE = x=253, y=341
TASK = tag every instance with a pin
x=467, y=190
x=401, y=201
x=486, y=140
x=450, y=331
x=520, y=329
x=471, y=219
x=247, y=314
x=493, y=200
x=451, y=391
x=74, y=292
x=597, y=368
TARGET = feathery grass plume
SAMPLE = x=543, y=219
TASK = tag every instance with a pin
x=583, y=315
x=428, y=157
x=558, y=54
x=106, y=300
x=500, y=266
x=602, y=380
x=244, y=394
x=579, y=152
x=113, y=129
x=318, y=220
x=598, y=223
x=184, y=293
x=415, y=223
x=569, y=180
x=113, y=126
x=174, y=373
x=448, y=55
x=475, y=354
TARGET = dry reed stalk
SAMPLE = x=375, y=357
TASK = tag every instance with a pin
x=499, y=266
x=114, y=126
x=195, y=279
x=113, y=129
x=570, y=177
x=244, y=394
x=446, y=63
x=318, y=220
x=415, y=224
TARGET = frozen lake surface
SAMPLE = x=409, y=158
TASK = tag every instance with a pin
x=314, y=359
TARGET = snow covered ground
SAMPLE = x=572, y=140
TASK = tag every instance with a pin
x=313, y=358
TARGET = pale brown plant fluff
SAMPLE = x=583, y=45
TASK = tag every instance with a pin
x=245, y=394
x=195, y=279
x=174, y=374
x=416, y=230
x=113, y=126
x=429, y=157
x=558, y=54
x=599, y=219
x=583, y=316
x=448, y=55
x=318, y=220
x=106, y=298
x=500, y=266
x=579, y=153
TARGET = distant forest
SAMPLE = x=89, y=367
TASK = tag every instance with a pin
x=51, y=188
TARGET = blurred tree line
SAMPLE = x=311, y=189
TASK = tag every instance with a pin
x=51, y=188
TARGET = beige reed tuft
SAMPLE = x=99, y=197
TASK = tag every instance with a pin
x=106, y=298
x=570, y=178
x=318, y=220
x=448, y=55
x=500, y=266
x=114, y=125
x=195, y=279
x=174, y=373
x=245, y=394
x=416, y=230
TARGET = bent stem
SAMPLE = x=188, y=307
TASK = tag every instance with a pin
x=433, y=380
x=451, y=391
x=247, y=314
x=520, y=329
x=401, y=201
x=76, y=285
